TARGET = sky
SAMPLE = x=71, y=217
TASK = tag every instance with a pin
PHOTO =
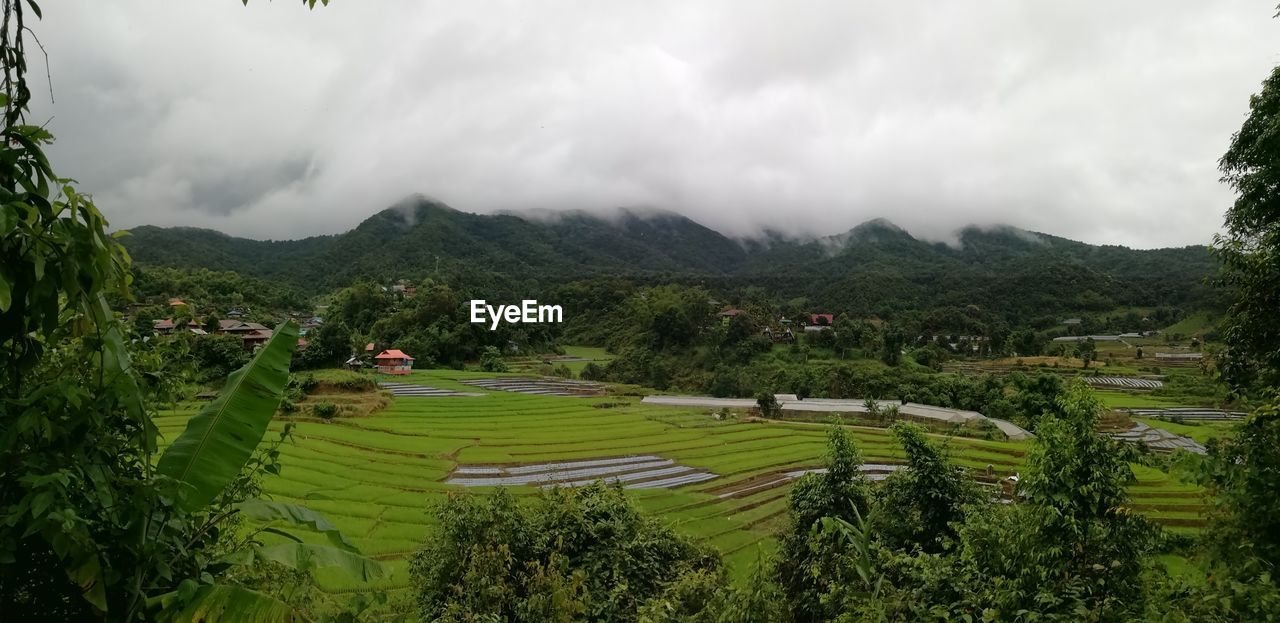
x=1100, y=121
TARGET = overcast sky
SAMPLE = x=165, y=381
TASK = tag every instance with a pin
x=1100, y=121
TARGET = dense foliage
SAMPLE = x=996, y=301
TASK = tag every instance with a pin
x=988, y=276
x=95, y=524
x=1250, y=249
x=573, y=555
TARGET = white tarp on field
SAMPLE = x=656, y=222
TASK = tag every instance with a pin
x=635, y=472
x=789, y=402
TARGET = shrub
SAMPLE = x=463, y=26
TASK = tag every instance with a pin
x=569, y=553
x=491, y=360
x=591, y=372
x=325, y=410
x=919, y=507
x=768, y=404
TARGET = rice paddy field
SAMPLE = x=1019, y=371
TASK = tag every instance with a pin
x=378, y=478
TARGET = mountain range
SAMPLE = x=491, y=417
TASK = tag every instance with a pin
x=874, y=268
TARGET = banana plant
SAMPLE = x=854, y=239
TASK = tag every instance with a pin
x=857, y=534
x=207, y=457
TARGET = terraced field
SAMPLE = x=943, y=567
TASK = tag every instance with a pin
x=378, y=478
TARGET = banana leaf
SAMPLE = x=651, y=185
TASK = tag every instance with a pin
x=228, y=603
x=308, y=557
x=269, y=512
x=219, y=440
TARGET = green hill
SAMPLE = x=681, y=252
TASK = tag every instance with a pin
x=873, y=269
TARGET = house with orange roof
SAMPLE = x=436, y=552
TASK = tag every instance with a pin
x=393, y=362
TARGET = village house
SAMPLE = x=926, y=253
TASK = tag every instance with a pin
x=393, y=362
x=822, y=320
x=785, y=335
x=252, y=334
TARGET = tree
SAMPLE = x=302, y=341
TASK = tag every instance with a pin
x=144, y=319
x=1072, y=547
x=1026, y=343
x=327, y=347
x=1250, y=248
x=572, y=555
x=212, y=323
x=807, y=567
x=216, y=356
x=1241, y=472
x=891, y=348
x=491, y=360
x=592, y=372
x=96, y=528
x=768, y=404
x=1086, y=350
x=919, y=507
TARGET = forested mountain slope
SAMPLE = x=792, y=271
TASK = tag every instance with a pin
x=875, y=268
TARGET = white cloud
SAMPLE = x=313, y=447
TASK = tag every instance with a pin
x=1097, y=121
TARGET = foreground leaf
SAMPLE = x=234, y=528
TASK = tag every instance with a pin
x=220, y=439
x=219, y=602
x=266, y=511
x=307, y=557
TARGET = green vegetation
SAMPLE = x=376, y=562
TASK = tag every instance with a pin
x=1202, y=432
x=577, y=554
x=1197, y=324
x=1116, y=399
x=379, y=479
x=1250, y=249
x=993, y=277
x=123, y=502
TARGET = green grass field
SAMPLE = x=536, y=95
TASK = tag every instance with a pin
x=378, y=478
x=1199, y=431
x=1116, y=399
x=1195, y=324
x=582, y=355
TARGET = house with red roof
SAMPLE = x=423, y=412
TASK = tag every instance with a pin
x=393, y=362
x=822, y=320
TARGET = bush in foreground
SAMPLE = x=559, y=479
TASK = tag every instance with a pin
x=571, y=555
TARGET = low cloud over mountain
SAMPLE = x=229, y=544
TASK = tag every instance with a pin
x=1099, y=121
